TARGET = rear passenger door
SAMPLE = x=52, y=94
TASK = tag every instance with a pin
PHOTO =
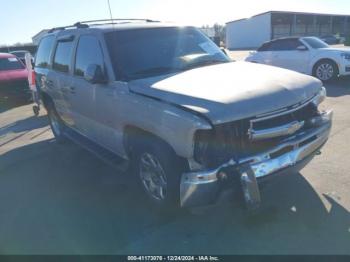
x=60, y=78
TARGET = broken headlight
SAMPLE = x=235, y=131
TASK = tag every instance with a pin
x=320, y=97
x=203, y=138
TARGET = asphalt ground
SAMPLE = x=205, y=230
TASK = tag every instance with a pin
x=61, y=199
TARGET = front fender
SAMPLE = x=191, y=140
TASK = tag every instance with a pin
x=172, y=124
x=324, y=56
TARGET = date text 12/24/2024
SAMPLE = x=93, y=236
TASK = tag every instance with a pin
x=173, y=258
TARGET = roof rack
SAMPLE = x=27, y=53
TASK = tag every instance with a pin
x=85, y=24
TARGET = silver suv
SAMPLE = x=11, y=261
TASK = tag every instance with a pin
x=166, y=103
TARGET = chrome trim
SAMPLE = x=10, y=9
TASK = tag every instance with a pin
x=202, y=187
x=283, y=130
x=264, y=168
x=284, y=112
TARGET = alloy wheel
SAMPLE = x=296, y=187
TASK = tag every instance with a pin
x=153, y=176
x=325, y=71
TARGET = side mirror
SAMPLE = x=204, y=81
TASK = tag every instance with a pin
x=302, y=48
x=94, y=74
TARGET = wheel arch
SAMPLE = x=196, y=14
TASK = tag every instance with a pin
x=46, y=99
x=324, y=59
x=134, y=135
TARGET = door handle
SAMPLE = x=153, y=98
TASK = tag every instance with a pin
x=49, y=83
x=110, y=93
x=72, y=89
x=69, y=89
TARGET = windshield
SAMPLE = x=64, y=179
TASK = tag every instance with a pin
x=20, y=54
x=10, y=63
x=315, y=42
x=142, y=53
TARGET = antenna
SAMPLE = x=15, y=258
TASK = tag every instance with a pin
x=110, y=11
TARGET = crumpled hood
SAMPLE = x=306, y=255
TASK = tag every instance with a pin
x=230, y=91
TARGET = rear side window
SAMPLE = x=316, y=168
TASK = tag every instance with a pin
x=44, y=51
x=276, y=46
x=10, y=63
x=88, y=52
x=63, y=56
x=264, y=47
x=284, y=45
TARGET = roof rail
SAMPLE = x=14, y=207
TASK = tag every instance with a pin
x=85, y=24
x=76, y=25
x=118, y=20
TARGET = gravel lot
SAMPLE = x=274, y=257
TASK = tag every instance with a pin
x=62, y=200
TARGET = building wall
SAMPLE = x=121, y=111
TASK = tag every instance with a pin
x=29, y=47
x=248, y=33
x=36, y=39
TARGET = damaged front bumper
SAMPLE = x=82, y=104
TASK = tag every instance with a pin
x=203, y=187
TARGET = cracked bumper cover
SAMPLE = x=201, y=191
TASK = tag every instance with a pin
x=203, y=187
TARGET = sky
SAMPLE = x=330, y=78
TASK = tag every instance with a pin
x=22, y=19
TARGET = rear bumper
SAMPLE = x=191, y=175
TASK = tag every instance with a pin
x=202, y=188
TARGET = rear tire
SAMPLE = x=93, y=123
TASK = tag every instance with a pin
x=57, y=125
x=326, y=70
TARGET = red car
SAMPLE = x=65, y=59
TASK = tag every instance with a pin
x=13, y=77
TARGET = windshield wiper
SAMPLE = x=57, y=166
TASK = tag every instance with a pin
x=156, y=71
x=205, y=63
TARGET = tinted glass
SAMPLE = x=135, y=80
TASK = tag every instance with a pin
x=63, y=56
x=11, y=63
x=88, y=52
x=19, y=54
x=264, y=47
x=315, y=42
x=44, y=51
x=285, y=45
x=144, y=53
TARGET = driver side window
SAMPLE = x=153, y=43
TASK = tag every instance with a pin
x=88, y=52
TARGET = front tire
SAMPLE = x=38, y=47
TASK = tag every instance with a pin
x=158, y=171
x=326, y=70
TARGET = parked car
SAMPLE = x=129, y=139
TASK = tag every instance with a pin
x=308, y=55
x=13, y=77
x=330, y=39
x=342, y=39
x=166, y=102
x=21, y=54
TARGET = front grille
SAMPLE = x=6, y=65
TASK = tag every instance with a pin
x=16, y=83
x=255, y=147
x=300, y=115
x=231, y=140
x=15, y=86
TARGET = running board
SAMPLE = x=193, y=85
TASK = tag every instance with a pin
x=105, y=155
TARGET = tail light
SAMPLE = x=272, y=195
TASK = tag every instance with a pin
x=31, y=80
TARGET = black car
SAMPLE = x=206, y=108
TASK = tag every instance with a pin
x=330, y=39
